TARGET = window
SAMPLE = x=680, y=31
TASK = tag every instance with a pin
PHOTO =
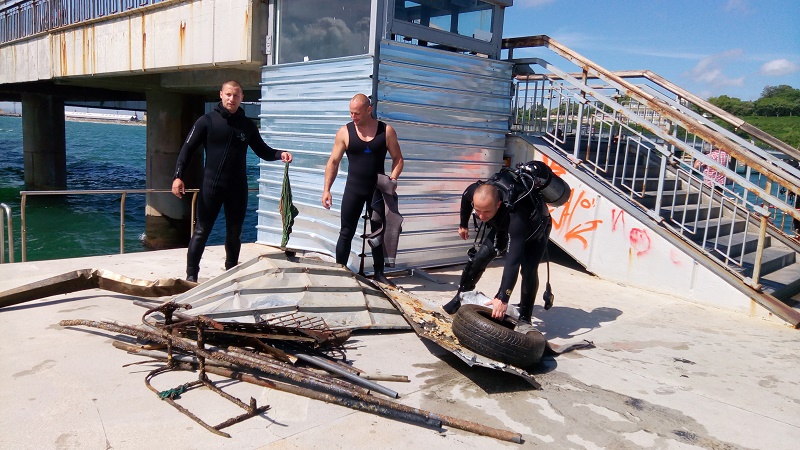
x=311, y=30
x=471, y=18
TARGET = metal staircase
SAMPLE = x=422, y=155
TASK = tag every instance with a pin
x=641, y=141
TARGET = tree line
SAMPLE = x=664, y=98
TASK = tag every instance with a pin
x=775, y=101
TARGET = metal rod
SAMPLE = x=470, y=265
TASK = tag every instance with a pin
x=7, y=210
x=160, y=336
x=22, y=224
x=122, y=224
x=360, y=405
x=762, y=232
x=347, y=375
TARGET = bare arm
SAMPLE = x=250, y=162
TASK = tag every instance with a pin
x=394, y=151
x=332, y=168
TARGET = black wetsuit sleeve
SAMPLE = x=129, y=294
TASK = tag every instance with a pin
x=261, y=148
x=195, y=139
x=514, y=237
x=466, y=205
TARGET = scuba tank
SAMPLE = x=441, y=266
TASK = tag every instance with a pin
x=528, y=178
x=537, y=177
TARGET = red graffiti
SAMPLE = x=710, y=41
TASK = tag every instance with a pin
x=640, y=241
x=563, y=220
x=617, y=216
x=675, y=256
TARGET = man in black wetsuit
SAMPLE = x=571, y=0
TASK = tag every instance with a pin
x=225, y=133
x=521, y=233
x=365, y=141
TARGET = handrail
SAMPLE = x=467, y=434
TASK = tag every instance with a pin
x=722, y=114
x=636, y=135
x=7, y=211
x=122, y=192
x=784, y=179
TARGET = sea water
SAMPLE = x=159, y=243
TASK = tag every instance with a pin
x=99, y=156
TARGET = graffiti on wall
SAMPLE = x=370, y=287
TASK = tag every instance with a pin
x=580, y=203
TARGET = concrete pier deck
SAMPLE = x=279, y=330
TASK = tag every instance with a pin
x=665, y=373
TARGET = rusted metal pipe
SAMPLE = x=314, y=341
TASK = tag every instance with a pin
x=161, y=337
x=360, y=405
x=347, y=375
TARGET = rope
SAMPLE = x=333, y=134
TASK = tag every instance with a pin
x=174, y=393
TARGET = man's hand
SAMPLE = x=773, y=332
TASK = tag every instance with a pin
x=327, y=200
x=177, y=188
x=498, y=308
x=463, y=232
x=286, y=157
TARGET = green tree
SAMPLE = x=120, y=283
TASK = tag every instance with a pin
x=779, y=101
x=733, y=105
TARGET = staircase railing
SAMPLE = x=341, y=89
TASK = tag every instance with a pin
x=646, y=143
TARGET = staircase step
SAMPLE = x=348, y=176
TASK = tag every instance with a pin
x=651, y=184
x=783, y=283
x=772, y=260
x=736, y=241
x=649, y=198
x=689, y=213
x=724, y=225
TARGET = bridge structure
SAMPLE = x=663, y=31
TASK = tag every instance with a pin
x=629, y=144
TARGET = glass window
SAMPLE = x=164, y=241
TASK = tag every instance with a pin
x=472, y=18
x=310, y=30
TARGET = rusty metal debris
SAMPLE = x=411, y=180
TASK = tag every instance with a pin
x=83, y=279
x=263, y=367
x=435, y=326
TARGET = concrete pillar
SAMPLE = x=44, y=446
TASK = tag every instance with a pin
x=170, y=116
x=44, y=144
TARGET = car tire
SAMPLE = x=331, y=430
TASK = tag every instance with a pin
x=476, y=330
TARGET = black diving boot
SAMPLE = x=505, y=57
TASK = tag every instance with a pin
x=191, y=275
x=381, y=278
x=452, y=306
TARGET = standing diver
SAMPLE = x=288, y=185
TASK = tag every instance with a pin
x=365, y=141
x=225, y=133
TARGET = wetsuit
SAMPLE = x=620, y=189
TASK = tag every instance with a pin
x=365, y=161
x=521, y=234
x=225, y=137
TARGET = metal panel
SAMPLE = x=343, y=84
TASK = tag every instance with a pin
x=450, y=111
x=302, y=107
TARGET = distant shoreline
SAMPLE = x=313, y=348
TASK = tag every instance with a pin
x=87, y=119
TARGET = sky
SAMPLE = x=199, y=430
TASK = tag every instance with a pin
x=708, y=47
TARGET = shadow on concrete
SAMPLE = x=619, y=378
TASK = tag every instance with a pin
x=569, y=323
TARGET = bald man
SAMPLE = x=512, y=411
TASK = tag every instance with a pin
x=365, y=141
x=521, y=233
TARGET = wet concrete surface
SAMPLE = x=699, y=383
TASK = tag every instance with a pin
x=665, y=373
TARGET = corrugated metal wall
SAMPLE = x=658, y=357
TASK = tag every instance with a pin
x=451, y=115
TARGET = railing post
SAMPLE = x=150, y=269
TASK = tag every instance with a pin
x=762, y=232
x=7, y=211
x=122, y=224
x=23, y=230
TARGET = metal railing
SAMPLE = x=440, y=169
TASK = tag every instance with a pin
x=645, y=141
x=7, y=210
x=122, y=192
x=31, y=17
